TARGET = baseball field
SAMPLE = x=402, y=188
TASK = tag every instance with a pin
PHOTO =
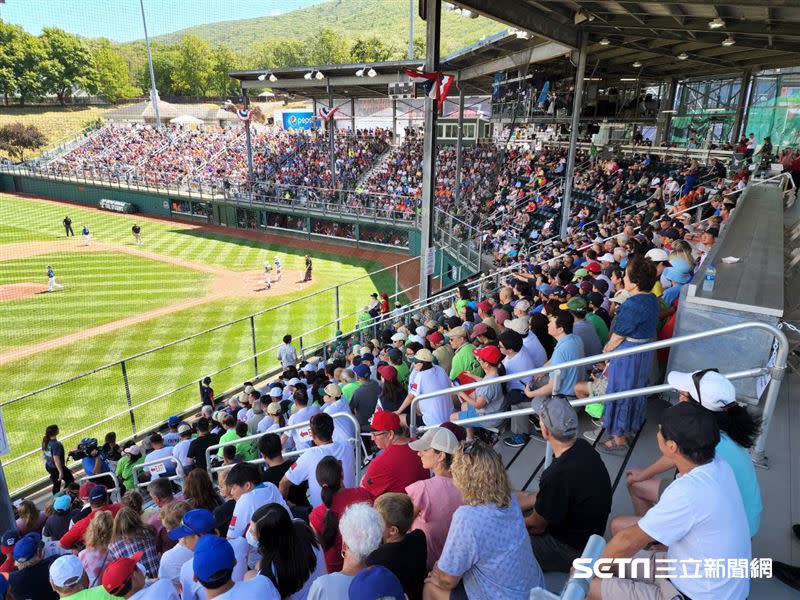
x=121, y=298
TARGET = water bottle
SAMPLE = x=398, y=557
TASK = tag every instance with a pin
x=708, y=280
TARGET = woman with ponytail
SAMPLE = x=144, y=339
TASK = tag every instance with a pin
x=291, y=557
x=324, y=518
x=53, y=454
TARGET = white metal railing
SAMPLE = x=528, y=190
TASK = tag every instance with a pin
x=775, y=373
x=576, y=587
x=356, y=442
x=157, y=467
x=116, y=491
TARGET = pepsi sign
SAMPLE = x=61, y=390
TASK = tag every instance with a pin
x=298, y=120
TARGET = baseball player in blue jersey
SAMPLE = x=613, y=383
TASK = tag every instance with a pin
x=51, y=280
x=277, y=269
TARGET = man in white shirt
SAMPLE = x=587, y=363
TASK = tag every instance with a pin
x=305, y=467
x=700, y=518
x=159, y=452
x=213, y=564
x=425, y=377
x=343, y=429
x=287, y=353
x=244, y=483
x=181, y=449
x=300, y=437
x=517, y=360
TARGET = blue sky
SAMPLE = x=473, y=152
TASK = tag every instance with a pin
x=120, y=20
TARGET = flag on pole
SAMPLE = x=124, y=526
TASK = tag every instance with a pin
x=327, y=113
x=437, y=85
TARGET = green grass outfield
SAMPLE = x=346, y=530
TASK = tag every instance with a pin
x=85, y=401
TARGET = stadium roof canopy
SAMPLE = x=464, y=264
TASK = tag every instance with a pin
x=765, y=33
x=476, y=65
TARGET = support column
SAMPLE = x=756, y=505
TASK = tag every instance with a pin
x=664, y=119
x=353, y=115
x=459, y=139
x=744, y=100
x=248, y=140
x=433, y=16
x=394, y=120
x=573, y=134
x=331, y=138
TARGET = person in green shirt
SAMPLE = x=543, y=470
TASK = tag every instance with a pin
x=69, y=580
x=349, y=384
x=229, y=424
x=131, y=456
x=396, y=359
x=599, y=326
x=463, y=359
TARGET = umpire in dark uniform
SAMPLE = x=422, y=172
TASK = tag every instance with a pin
x=68, y=227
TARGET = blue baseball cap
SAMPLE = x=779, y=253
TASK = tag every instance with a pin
x=99, y=492
x=27, y=547
x=376, y=582
x=8, y=540
x=62, y=503
x=368, y=357
x=195, y=522
x=361, y=371
x=213, y=556
x=173, y=421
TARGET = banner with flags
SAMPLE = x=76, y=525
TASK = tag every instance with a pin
x=244, y=114
x=437, y=85
x=326, y=113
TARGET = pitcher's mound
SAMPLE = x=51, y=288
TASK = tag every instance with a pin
x=15, y=291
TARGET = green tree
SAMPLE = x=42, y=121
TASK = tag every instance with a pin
x=278, y=53
x=10, y=46
x=69, y=65
x=194, y=70
x=112, y=73
x=223, y=61
x=16, y=138
x=165, y=64
x=328, y=48
x=27, y=68
x=371, y=49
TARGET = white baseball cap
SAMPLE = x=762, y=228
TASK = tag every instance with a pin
x=438, y=438
x=657, y=255
x=293, y=381
x=716, y=391
x=399, y=337
x=607, y=257
x=520, y=325
x=66, y=571
x=275, y=392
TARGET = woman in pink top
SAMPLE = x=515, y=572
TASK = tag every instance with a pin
x=435, y=499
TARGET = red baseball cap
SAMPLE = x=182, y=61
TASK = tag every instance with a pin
x=119, y=572
x=385, y=420
x=479, y=329
x=387, y=372
x=435, y=337
x=490, y=354
x=485, y=306
x=85, y=489
x=592, y=267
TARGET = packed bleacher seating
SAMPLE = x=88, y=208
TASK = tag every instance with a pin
x=213, y=158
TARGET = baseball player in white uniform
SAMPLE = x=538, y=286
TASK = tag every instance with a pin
x=267, y=274
x=277, y=269
x=87, y=236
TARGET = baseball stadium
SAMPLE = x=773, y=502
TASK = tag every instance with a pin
x=407, y=299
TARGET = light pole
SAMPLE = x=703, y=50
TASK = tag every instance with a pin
x=153, y=90
x=410, y=29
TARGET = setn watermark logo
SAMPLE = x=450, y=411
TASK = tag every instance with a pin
x=666, y=568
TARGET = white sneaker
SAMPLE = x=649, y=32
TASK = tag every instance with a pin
x=592, y=434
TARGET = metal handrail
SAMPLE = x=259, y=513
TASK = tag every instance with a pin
x=576, y=588
x=143, y=465
x=257, y=436
x=776, y=375
x=115, y=491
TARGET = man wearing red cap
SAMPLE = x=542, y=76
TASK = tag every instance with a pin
x=122, y=578
x=486, y=399
x=485, y=313
x=442, y=352
x=396, y=466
